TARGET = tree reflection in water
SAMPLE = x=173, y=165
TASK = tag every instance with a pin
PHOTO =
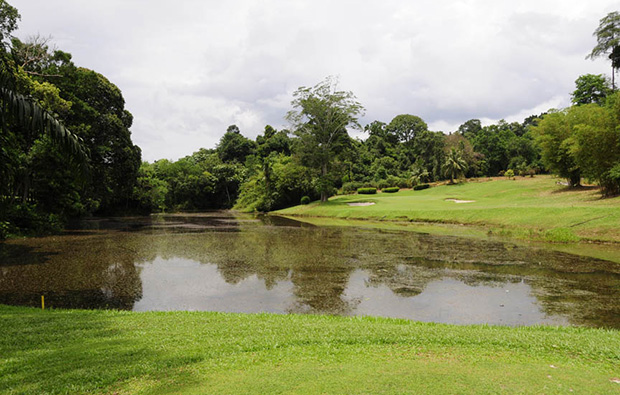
x=101, y=267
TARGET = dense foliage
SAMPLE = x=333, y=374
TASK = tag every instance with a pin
x=66, y=146
x=71, y=154
x=584, y=141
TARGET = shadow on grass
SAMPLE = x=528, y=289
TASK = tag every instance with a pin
x=580, y=188
x=74, y=352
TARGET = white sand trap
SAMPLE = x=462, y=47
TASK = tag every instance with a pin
x=361, y=204
x=460, y=201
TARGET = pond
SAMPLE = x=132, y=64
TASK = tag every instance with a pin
x=224, y=262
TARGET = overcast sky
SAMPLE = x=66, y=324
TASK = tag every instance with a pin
x=190, y=68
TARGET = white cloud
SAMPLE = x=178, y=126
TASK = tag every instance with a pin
x=190, y=68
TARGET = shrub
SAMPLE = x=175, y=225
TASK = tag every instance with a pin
x=5, y=227
x=391, y=190
x=611, y=181
x=420, y=187
x=26, y=218
x=367, y=191
x=381, y=184
x=509, y=173
x=305, y=200
x=400, y=182
x=351, y=187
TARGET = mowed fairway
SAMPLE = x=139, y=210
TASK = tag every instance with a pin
x=112, y=352
x=532, y=208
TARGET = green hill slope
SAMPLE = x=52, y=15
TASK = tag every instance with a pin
x=525, y=207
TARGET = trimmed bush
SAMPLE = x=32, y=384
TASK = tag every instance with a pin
x=367, y=191
x=390, y=190
x=305, y=200
x=420, y=187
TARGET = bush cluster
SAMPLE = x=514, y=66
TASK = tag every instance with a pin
x=420, y=187
x=367, y=191
x=305, y=200
x=390, y=190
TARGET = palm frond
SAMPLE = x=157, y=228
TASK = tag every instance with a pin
x=27, y=112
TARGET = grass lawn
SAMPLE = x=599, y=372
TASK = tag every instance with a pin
x=114, y=352
x=527, y=208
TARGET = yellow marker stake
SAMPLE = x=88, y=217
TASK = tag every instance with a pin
x=42, y=302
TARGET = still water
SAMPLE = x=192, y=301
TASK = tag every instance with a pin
x=222, y=262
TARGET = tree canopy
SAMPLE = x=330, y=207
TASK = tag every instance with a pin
x=591, y=88
x=320, y=119
x=66, y=148
x=608, y=42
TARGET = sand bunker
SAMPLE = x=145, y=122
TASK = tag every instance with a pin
x=361, y=204
x=460, y=201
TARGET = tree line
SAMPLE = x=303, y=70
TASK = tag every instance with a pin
x=318, y=158
x=67, y=150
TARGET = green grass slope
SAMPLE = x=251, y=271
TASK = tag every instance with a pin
x=534, y=208
x=112, y=352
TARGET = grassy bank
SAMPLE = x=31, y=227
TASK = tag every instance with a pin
x=191, y=353
x=525, y=208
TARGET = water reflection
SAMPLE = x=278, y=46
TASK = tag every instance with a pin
x=220, y=262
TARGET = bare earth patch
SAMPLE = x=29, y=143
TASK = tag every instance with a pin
x=460, y=201
x=361, y=204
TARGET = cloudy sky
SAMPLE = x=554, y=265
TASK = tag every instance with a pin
x=190, y=68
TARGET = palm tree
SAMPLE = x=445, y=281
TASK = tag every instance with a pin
x=608, y=42
x=25, y=111
x=455, y=166
x=20, y=110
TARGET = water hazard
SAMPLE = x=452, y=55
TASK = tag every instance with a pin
x=221, y=262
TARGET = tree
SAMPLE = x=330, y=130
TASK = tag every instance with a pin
x=99, y=117
x=470, y=128
x=597, y=142
x=273, y=141
x=464, y=147
x=149, y=191
x=502, y=143
x=608, y=42
x=21, y=114
x=590, y=88
x=455, y=166
x=288, y=183
x=584, y=141
x=8, y=20
x=552, y=134
x=29, y=113
x=321, y=117
x=406, y=127
x=233, y=147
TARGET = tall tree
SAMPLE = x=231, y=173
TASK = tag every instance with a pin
x=608, y=42
x=321, y=116
x=590, y=88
